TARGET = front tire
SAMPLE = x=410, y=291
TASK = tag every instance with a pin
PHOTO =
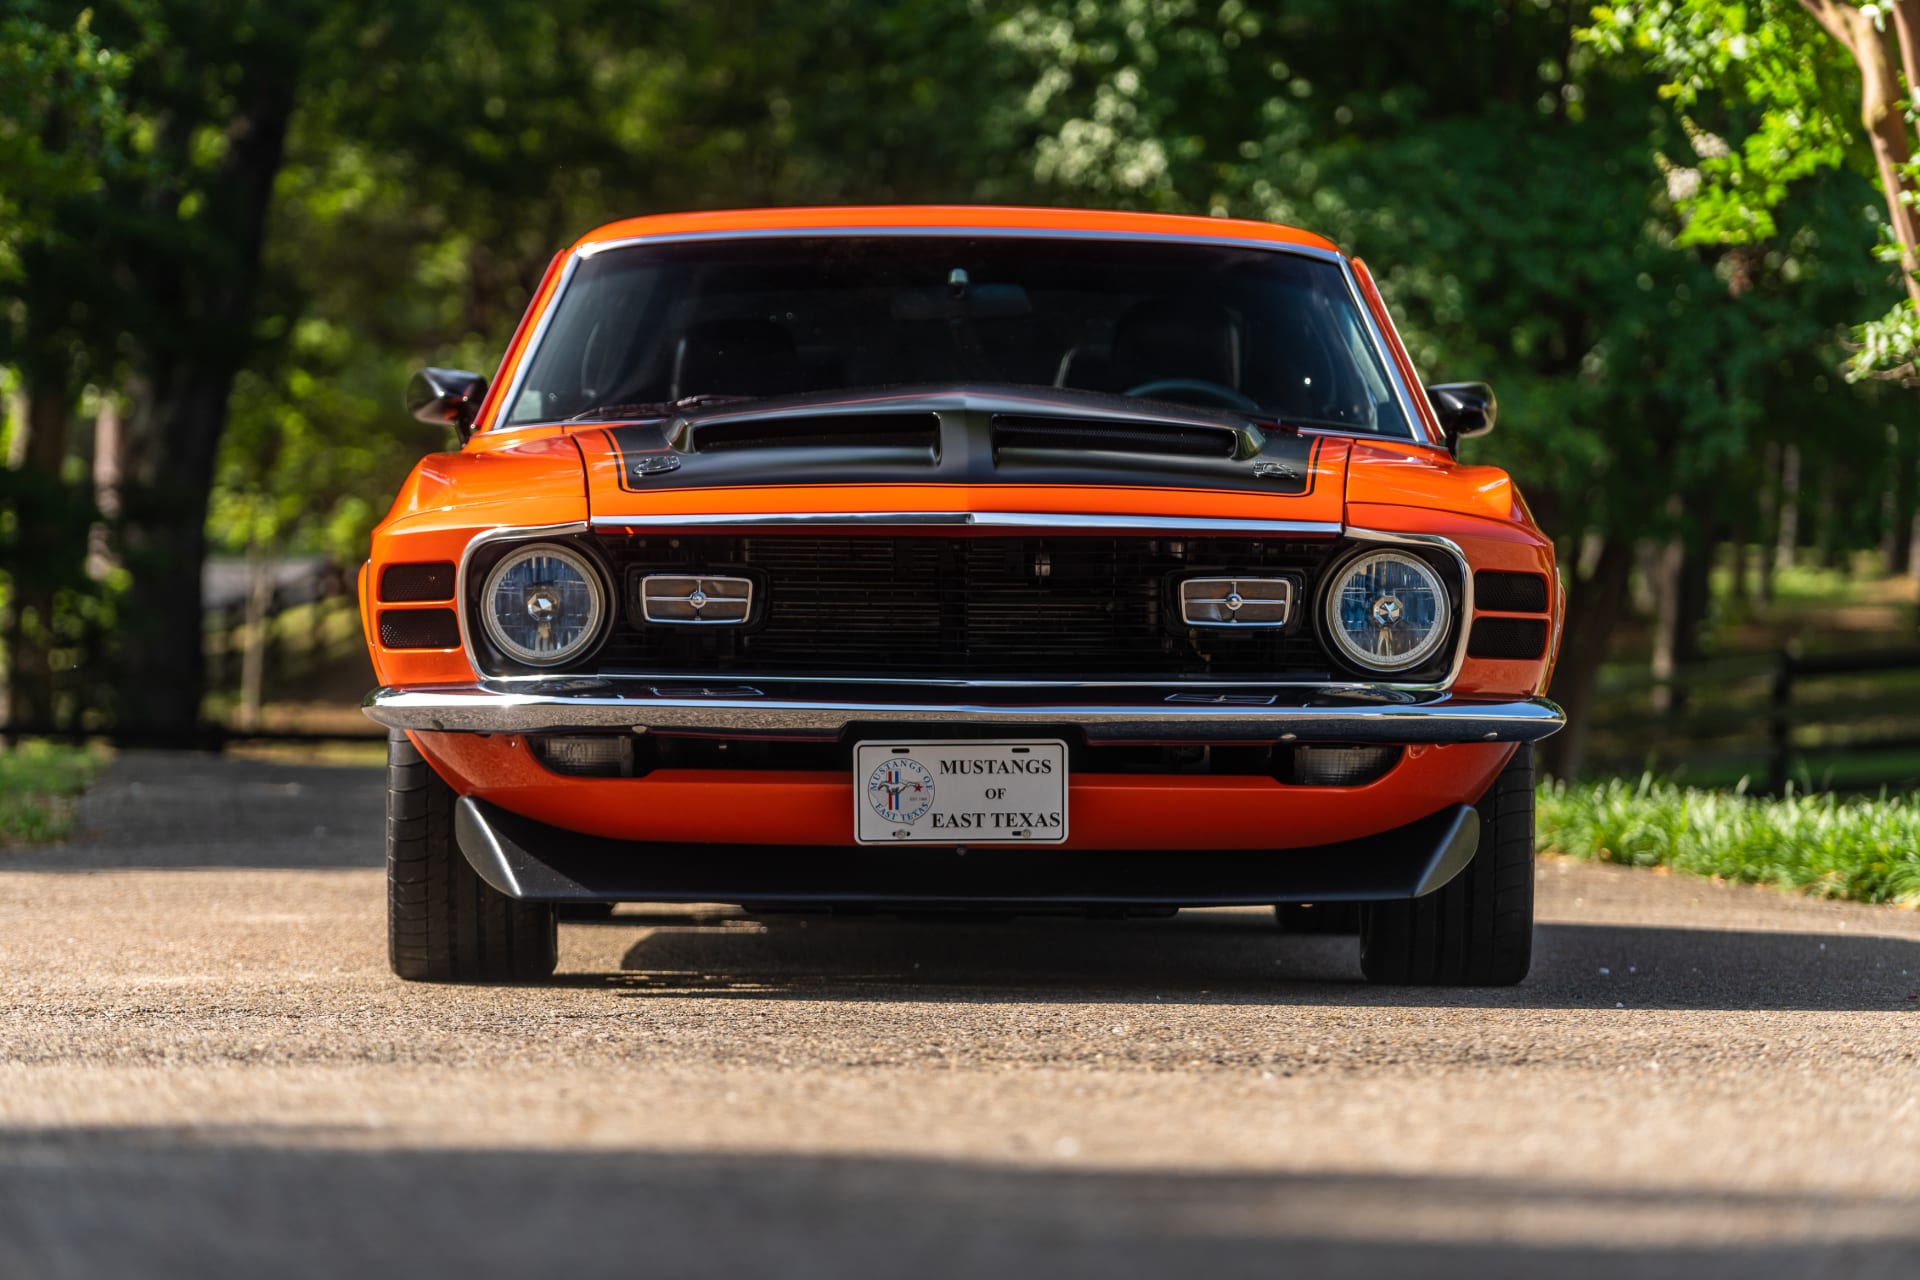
x=444, y=923
x=1477, y=929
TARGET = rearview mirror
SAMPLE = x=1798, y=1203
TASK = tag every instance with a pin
x=1465, y=409
x=963, y=302
x=447, y=398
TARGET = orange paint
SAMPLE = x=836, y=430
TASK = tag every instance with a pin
x=1106, y=811
x=564, y=474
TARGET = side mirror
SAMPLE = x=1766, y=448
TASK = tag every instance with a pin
x=1465, y=409
x=447, y=398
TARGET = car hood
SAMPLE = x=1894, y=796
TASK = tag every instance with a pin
x=948, y=454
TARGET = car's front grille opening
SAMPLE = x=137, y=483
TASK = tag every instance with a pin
x=419, y=629
x=416, y=583
x=1517, y=638
x=971, y=607
x=1013, y=431
x=1498, y=591
x=627, y=756
x=918, y=432
x=587, y=755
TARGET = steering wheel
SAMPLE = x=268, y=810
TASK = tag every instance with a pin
x=1212, y=392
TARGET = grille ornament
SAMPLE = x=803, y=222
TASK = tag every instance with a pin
x=686, y=601
x=1236, y=602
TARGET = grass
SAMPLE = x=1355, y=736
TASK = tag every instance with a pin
x=1864, y=849
x=39, y=782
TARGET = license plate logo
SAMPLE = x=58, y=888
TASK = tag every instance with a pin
x=900, y=790
x=960, y=792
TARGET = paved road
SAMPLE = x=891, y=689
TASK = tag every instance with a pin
x=205, y=1070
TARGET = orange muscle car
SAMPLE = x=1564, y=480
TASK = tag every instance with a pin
x=960, y=559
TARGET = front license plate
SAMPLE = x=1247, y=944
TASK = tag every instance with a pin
x=961, y=792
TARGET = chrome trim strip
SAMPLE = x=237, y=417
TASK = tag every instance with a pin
x=1466, y=591
x=700, y=583
x=959, y=229
x=509, y=533
x=1415, y=424
x=528, y=352
x=1437, y=718
x=1235, y=600
x=972, y=519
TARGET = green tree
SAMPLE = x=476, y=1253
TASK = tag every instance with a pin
x=1773, y=92
x=64, y=130
x=1503, y=181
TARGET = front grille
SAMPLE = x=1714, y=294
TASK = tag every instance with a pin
x=1057, y=607
x=1521, y=638
x=419, y=629
x=411, y=583
x=1501, y=592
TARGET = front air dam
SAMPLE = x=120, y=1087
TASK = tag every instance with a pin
x=533, y=861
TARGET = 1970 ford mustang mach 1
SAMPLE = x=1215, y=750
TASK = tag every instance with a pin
x=959, y=559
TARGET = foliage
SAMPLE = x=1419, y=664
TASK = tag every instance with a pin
x=1770, y=99
x=61, y=120
x=38, y=781
x=264, y=212
x=1865, y=849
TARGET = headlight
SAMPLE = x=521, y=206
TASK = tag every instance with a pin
x=543, y=604
x=1387, y=611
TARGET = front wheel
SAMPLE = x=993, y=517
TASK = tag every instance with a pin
x=444, y=923
x=1477, y=929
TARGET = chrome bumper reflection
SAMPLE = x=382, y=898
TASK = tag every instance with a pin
x=1162, y=713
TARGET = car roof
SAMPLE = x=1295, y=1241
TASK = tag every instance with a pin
x=956, y=217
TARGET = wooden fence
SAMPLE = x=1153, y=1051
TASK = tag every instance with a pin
x=1848, y=721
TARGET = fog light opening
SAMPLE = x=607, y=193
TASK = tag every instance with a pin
x=1342, y=766
x=596, y=755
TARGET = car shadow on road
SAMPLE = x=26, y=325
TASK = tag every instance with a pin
x=1240, y=957
x=267, y=1200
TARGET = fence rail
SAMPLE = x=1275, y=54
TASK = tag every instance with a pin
x=1844, y=721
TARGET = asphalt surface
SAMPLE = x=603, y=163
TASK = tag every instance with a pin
x=205, y=1069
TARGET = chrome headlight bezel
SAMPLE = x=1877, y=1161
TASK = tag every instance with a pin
x=600, y=612
x=1430, y=650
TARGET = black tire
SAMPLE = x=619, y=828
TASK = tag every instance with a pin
x=1327, y=918
x=1476, y=930
x=444, y=923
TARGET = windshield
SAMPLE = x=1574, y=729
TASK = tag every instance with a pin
x=1273, y=334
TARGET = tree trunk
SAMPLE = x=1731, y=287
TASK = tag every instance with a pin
x=1881, y=113
x=1683, y=591
x=1739, y=575
x=253, y=659
x=1593, y=606
x=181, y=384
x=172, y=435
x=1665, y=662
x=1896, y=542
x=106, y=490
x=29, y=615
x=1787, y=533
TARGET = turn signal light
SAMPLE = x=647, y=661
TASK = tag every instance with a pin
x=1342, y=766
x=587, y=755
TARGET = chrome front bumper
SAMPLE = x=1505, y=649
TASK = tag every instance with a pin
x=1114, y=713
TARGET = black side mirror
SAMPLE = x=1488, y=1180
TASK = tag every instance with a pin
x=1465, y=409
x=447, y=398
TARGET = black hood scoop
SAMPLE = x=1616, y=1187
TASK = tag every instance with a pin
x=961, y=435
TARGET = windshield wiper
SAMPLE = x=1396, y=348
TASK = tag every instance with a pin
x=654, y=408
